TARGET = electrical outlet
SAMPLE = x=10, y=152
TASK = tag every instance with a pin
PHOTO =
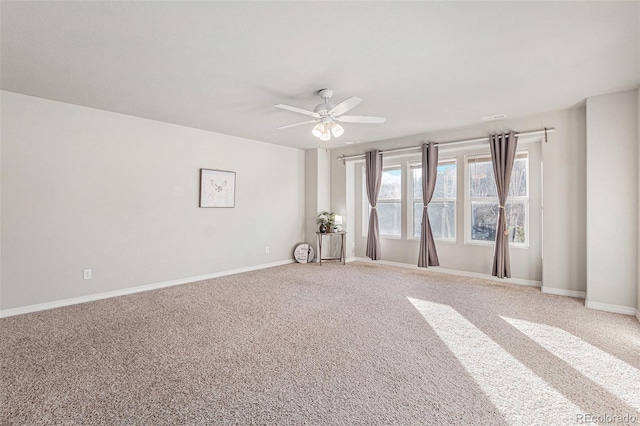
x=87, y=274
x=266, y=250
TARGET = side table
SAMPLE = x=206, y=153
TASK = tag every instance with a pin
x=341, y=234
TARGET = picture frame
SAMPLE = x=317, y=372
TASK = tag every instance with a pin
x=217, y=188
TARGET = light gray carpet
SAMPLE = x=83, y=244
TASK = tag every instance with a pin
x=330, y=344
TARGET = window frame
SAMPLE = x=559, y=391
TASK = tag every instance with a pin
x=366, y=208
x=468, y=200
x=411, y=201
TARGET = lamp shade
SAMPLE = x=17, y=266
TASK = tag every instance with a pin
x=336, y=129
x=326, y=135
x=338, y=219
x=318, y=130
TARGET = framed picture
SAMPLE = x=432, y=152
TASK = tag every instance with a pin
x=303, y=253
x=217, y=188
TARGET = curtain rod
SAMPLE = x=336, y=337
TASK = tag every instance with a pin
x=483, y=139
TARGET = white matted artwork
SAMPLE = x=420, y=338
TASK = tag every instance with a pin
x=217, y=188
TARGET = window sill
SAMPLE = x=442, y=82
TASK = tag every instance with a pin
x=390, y=237
x=491, y=244
x=437, y=240
x=446, y=241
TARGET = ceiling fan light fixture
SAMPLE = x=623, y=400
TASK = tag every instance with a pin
x=318, y=130
x=336, y=129
x=326, y=135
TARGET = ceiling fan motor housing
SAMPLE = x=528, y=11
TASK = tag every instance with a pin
x=324, y=108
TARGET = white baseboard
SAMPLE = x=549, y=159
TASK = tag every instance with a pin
x=93, y=297
x=617, y=309
x=563, y=292
x=519, y=281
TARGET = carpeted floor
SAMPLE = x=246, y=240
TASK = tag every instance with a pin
x=330, y=344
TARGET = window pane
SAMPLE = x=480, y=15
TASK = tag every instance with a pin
x=518, y=185
x=442, y=217
x=417, y=219
x=516, y=219
x=389, y=218
x=481, y=180
x=417, y=184
x=390, y=187
x=445, y=182
x=484, y=219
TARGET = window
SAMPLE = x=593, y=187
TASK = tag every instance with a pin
x=482, y=207
x=389, y=204
x=442, y=208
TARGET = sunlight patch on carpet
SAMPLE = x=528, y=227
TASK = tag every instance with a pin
x=520, y=395
x=613, y=374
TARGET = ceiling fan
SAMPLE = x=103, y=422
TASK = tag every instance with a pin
x=326, y=115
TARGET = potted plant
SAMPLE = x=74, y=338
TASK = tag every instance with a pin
x=326, y=220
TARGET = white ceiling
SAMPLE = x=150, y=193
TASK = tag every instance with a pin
x=221, y=66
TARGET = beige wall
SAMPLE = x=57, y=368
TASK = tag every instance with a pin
x=564, y=205
x=310, y=195
x=317, y=191
x=612, y=201
x=563, y=267
x=84, y=188
x=1, y=204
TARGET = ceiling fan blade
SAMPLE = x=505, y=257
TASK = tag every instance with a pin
x=361, y=119
x=296, y=124
x=298, y=110
x=345, y=106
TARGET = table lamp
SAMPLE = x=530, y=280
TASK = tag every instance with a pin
x=338, y=222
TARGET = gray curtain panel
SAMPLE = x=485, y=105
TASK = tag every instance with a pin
x=428, y=255
x=374, y=179
x=503, y=153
